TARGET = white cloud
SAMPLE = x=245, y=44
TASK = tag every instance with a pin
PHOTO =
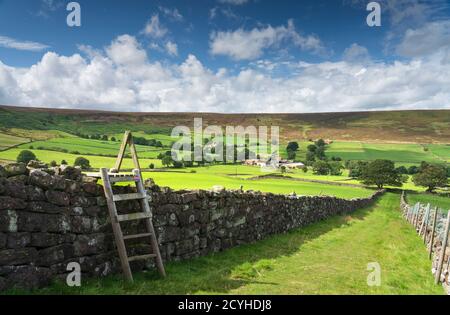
x=356, y=53
x=122, y=77
x=9, y=42
x=426, y=40
x=154, y=28
x=247, y=45
x=173, y=14
x=234, y=2
x=49, y=6
x=172, y=48
x=125, y=50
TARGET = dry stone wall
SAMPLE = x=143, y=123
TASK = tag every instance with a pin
x=51, y=217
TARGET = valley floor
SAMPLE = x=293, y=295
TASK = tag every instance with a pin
x=328, y=257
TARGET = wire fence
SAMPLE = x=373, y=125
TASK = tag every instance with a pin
x=432, y=224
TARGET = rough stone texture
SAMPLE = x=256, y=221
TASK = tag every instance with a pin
x=49, y=218
x=15, y=169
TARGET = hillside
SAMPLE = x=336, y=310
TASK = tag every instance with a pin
x=425, y=126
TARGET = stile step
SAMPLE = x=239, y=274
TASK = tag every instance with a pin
x=123, y=179
x=125, y=197
x=142, y=257
x=133, y=216
x=129, y=237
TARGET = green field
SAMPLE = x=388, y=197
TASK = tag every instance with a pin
x=435, y=200
x=96, y=161
x=402, y=154
x=206, y=179
x=91, y=147
x=329, y=257
x=7, y=141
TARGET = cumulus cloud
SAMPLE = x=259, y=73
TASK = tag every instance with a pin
x=123, y=77
x=250, y=44
x=356, y=53
x=9, y=42
x=426, y=40
x=154, y=28
x=172, y=48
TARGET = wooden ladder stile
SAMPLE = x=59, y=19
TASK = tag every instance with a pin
x=109, y=179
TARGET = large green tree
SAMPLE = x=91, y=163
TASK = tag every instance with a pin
x=382, y=173
x=82, y=162
x=26, y=156
x=431, y=176
x=321, y=168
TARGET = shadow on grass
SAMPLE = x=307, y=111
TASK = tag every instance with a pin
x=216, y=273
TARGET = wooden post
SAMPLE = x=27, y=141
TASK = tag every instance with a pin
x=443, y=248
x=433, y=229
x=416, y=217
x=425, y=220
x=123, y=147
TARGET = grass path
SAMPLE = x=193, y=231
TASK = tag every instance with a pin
x=328, y=257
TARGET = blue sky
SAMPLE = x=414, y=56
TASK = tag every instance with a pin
x=225, y=55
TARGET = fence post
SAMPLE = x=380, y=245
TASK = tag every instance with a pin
x=432, y=232
x=425, y=219
x=443, y=248
x=416, y=215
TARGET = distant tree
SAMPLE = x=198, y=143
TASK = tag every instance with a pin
x=166, y=161
x=31, y=147
x=283, y=169
x=178, y=164
x=64, y=162
x=310, y=156
x=320, y=143
x=431, y=176
x=355, y=168
x=305, y=169
x=53, y=163
x=320, y=153
x=312, y=148
x=151, y=166
x=413, y=170
x=188, y=163
x=113, y=139
x=335, y=168
x=336, y=159
x=381, y=173
x=105, y=138
x=292, y=146
x=321, y=168
x=82, y=162
x=292, y=155
x=26, y=156
x=402, y=170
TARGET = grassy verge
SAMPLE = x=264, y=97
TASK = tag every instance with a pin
x=433, y=199
x=329, y=257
